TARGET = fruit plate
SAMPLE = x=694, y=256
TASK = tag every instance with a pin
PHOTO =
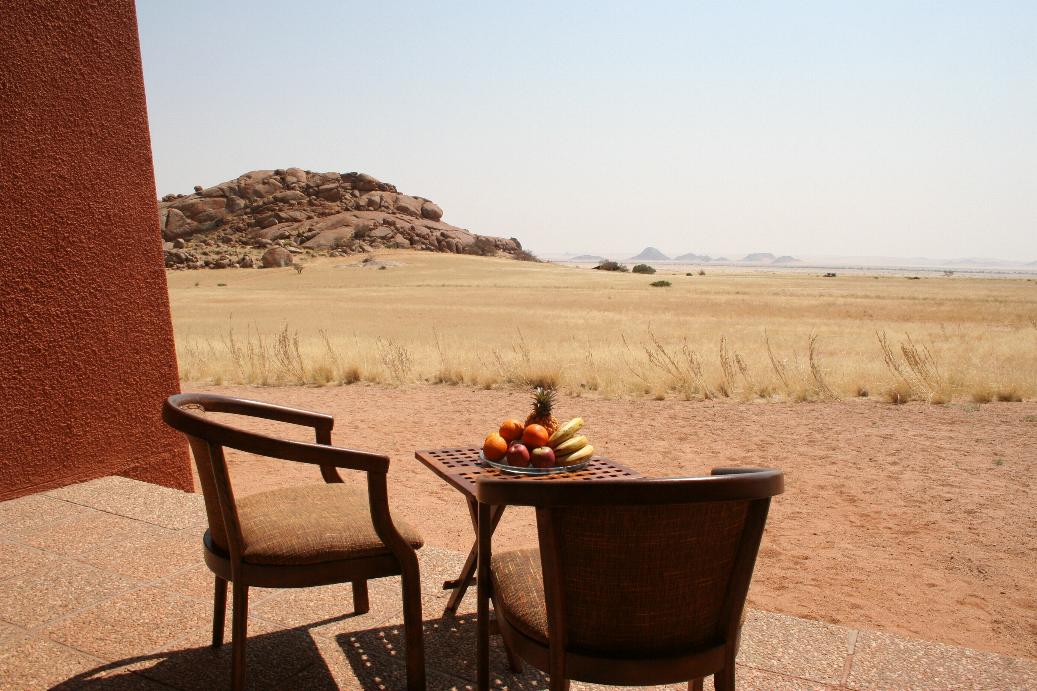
x=530, y=470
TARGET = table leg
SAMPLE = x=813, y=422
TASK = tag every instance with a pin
x=467, y=576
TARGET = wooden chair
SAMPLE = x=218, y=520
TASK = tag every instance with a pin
x=299, y=536
x=634, y=582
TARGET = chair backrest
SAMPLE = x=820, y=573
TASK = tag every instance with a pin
x=207, y=437
x=647, y=568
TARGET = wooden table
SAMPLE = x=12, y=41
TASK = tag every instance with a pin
x=461, y=469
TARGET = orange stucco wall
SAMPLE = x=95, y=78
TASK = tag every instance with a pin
x=86, y=345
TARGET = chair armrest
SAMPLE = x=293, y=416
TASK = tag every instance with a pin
x=268, y=411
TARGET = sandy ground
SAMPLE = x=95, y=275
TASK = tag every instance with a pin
x=916, y=519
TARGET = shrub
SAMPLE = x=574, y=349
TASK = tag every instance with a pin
x=610, y=265
x=643, y=269
x=482, y=247
x=525, y=256
x=702, y=272
x=661, y=284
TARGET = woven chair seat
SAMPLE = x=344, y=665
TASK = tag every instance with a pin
x=518, y=588
x=310, y=524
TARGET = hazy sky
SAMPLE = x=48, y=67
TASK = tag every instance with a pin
x=841, y=128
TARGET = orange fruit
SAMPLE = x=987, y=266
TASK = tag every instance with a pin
x=494, y=447
x=511, y=430
x=535, y=435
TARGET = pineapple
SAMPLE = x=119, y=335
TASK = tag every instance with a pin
x=543, y=401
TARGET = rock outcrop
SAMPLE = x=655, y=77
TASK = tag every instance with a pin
x=302, y=212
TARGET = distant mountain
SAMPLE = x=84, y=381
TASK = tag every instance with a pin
x=1031, y=263
x=693, y=258
x=650, y=254
x=785, y=259
x=721, y=259
x=759, y=257
x=587, y=258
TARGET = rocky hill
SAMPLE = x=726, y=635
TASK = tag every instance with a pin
x=266, y=217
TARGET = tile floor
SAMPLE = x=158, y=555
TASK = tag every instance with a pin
x=102, y=586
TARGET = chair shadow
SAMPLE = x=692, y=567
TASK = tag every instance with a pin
x=294, y=658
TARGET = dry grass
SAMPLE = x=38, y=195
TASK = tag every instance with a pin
x=498, y=323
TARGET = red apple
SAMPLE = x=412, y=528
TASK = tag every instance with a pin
x=518, y=455
x=543, y=457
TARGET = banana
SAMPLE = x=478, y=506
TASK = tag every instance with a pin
x=578, y=456
x=565, y=432
x=570, y=445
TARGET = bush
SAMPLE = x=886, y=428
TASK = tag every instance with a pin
x=482, y=247
x=525, y=256
x=643, y=269
x=609, y=265
x=661, y=284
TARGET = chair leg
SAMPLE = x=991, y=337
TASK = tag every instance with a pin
x=412, y=623
x=514, y=661
x=695, y=684
x=361, y=603
x=239, y=632
x=724, y=680
x=219, y=611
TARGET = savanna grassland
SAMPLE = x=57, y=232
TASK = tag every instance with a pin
x=498, y=323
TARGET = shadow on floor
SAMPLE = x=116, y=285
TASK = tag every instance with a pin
x=294, y=658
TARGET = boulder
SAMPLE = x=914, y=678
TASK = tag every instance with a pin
x=431, y=211
x=366, y=183
x=408, y=206
x=276, y=257
x=289, y=196
x=330, y=192
x=295, y=175
x=258, y=184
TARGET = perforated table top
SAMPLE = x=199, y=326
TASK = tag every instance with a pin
x=461, y=468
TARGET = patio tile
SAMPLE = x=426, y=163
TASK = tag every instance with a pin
x=338, y=670
x=141, y=501
x=198, y=582
x=326, y=610
x=795, y=647
x=56, y=590
x=80, y=531
x=16, y=558
x=110, y=679
x=450, y=648
x=135, y=623
x=747, y=678
x=10, y=634
x=27, y=516
x=37, y=663
x=146, y=553
x=882, y=660
x=273, y=654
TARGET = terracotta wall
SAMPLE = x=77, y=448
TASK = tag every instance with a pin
x=86, y=347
